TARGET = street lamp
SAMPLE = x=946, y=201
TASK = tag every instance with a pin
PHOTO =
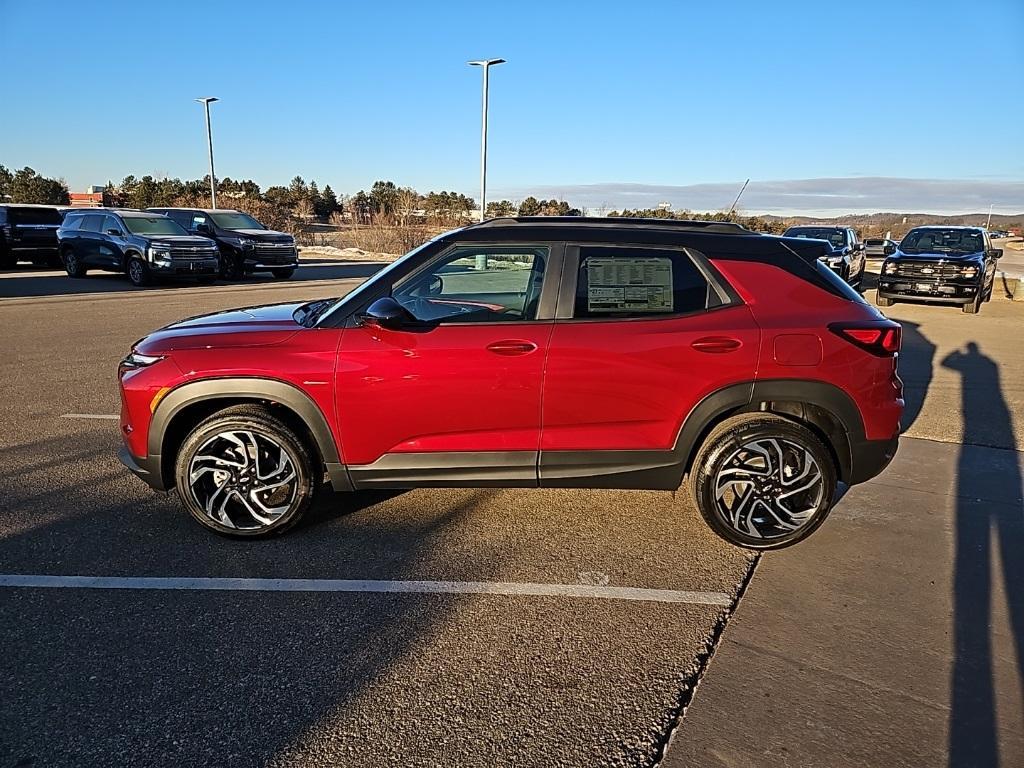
x=206, y=101
x=486, y=64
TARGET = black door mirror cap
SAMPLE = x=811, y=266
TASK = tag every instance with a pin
x=385, y=312
x=889, y=250
x=996, y=253
x=115, y=232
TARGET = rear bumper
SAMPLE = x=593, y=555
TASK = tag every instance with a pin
x=146, y=469
x=869, y=457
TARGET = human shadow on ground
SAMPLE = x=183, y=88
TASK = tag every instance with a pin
x=989, y=518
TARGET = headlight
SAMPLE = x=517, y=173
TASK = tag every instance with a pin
x=138, y=360
x=159, y=253
x=970, y=271
x=241, y=242
x=889, y=268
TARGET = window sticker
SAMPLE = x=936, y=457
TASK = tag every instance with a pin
x=616, y=284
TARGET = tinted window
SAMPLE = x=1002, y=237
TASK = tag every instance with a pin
x=637, y=282
x=72, y=223
x=837, y=237
x=481, y=284
x=109, y=223
x=34, y=216
x=874, y=242
x=92, y=223
x=235, y=221
x=936, y=240
x=195, y=220
x=152, y=225
x=181, y=218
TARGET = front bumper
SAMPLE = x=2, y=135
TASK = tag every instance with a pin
x=147, y=469
x=869, y=457
x=936, y=291
x=189, y=268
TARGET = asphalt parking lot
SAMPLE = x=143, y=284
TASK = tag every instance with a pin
x=894, y=636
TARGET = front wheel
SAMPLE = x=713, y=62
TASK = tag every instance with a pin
x=762, y=481
x=882, y=301
x=138, y=272
x=231, y=266
x=283, y=274
x=245, y=473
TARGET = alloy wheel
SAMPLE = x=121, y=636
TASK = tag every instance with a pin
x=243, y=480
x=769, y=488
x=135, y=271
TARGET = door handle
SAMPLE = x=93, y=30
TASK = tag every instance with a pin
x=511, y=347
x=716, y=344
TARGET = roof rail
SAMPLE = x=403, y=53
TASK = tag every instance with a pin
x=717, y=227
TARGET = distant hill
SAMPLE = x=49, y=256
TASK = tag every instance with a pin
x=877, y=224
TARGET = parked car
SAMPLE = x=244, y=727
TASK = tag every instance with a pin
x=948, y=265
x=847, y=259
x=246, y=246
x=28, y=233
x=144, y=246
x=551, y=352
x=879, y=248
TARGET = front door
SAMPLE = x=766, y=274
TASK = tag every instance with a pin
x=644, y=336
x=454, y=397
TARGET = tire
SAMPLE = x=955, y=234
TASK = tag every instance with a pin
x=72, y=264
x=883, y=302
x=972, y=308
x=138, y=272
x=211, y=456
x=750, y=456
x=231, y=267
x=283, y=274
x=7, y=260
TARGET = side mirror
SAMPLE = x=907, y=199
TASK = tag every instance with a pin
x=386, y=313
x=889, y=250
x=996, y=253
x=203, y=229
x=860, y=247
x=115, y=232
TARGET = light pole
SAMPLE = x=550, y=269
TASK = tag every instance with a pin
x=206, y=101
x=988, y=221
x=486, y=64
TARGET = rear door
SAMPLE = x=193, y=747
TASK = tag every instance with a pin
x=87, y=244
x=641, y=335
x=455, y=396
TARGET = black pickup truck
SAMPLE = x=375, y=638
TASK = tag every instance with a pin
x=29, y=233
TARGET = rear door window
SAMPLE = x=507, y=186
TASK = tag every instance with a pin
x=92, y=223
x=71, y=223
x=629, y=282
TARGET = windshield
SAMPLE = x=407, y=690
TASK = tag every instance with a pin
x=312, y=313
x=943, y=241
x=152, y=225
x=236, y=221
x=837, y=237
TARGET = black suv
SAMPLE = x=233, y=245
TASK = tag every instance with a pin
x=29, y=233
x=246, y=246
x=947, y=265
x=848, y=257
x=143, y=245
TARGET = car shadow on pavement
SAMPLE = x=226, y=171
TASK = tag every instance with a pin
x=916, y=361
x=34, y=283
x=989, y=506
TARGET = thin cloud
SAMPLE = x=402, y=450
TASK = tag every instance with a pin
x=799, y=196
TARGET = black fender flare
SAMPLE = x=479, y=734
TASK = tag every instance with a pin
x=820, y=394
x=249, y=388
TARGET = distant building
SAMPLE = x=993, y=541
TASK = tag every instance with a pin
x=93, y=197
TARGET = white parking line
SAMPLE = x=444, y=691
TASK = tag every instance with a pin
x=360, y=585
x=89, y=416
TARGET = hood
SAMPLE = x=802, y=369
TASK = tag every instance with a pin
x=249, y=327
x=262, y=235
x=180, y=241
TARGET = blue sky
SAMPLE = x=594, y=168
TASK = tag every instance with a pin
x=684, y=99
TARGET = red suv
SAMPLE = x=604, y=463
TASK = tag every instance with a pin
x=534, y=352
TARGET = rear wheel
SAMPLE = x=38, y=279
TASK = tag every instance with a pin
x=72, y=264
x=762, y=481
x=283, y=274
x=138, y=272
x=245, y=473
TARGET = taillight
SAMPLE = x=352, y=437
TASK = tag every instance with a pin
x=877, y=338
